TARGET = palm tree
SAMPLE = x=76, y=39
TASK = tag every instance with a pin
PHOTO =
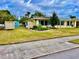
x=27, y=14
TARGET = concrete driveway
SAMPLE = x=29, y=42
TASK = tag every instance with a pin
x=37, y=48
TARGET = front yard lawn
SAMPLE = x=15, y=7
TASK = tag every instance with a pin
x=76, y=41
x=22, y=34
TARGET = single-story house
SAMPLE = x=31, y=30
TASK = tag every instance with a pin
x=45, y=22
x=41, y=21
x=37, y=21
x=68, y=23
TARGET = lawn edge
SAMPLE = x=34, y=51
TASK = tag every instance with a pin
x=37, y=40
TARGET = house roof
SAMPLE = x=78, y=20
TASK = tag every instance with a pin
x=67, y=19
x=45, y=18
x=40, y=18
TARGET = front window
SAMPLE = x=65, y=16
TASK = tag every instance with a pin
x=42, y=22
x=62, y=22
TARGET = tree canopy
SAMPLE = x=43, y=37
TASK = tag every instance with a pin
x=24, y=20
x=72, y=16
x=5, y=15
x=37, y=14
x=5, y=12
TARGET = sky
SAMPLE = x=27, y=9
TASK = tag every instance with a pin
x=63, y=8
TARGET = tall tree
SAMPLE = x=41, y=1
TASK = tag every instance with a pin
x=54, y=20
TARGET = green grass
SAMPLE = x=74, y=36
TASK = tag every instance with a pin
x=22, y=34
x=76, y=41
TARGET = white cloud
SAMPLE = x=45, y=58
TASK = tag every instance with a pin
x=29, y=2
x=47, y=3
x=76, y=9
x=52, y=2
x=28, y=5
x=64, y=2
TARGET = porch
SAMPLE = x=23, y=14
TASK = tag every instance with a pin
x=41, y=21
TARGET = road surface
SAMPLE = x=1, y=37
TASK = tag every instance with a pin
x=70, y=54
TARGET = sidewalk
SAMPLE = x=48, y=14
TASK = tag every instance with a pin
x=36, y=49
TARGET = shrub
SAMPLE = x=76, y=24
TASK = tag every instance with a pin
x=40, y=28
x=34, y=27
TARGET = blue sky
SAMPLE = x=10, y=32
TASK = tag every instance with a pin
x=63, y=8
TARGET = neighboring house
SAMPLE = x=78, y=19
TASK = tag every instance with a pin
x=45, y=22
x=68, y=23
